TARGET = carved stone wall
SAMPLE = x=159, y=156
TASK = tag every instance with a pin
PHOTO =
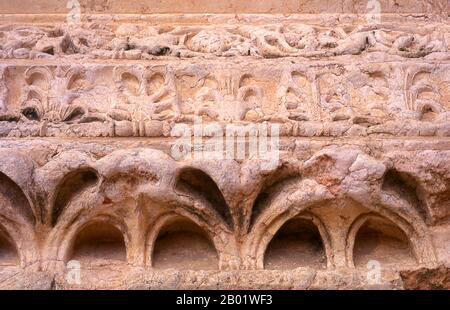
x=94, y=97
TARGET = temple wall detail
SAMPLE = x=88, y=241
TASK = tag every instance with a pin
x=96, y=98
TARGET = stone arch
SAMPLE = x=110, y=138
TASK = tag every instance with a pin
x=17, y=209
x=9, y=254
x=18, y=220
x=21, y=240
x=107, y=223
x=277, y=181
x=172, y=231
x=76, y=229
x=404, y=215
x=17, y=180
x=284, y=207
x=196, y=182
x=311, y=238
x=406, y=187
x=71, y=185
x=62, y=237
x=99, y=238
x=12, y=196
x=364, y=233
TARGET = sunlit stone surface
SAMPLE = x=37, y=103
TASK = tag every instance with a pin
x=95, y=94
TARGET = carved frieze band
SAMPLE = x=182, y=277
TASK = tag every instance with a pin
x=306, y=98
x=281, y=39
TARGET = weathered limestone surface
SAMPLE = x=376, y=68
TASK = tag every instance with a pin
x=223, y=6
x=90, y=110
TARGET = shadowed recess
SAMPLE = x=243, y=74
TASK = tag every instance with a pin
x=8, y=252
x=182, y=244
x=192, y=180
x=12, y=195
x=73, y=184
x=405, y=187
x=273, y=185
x=381, y=240
x=99, y=241
x=428, y=114
x=296, y=244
